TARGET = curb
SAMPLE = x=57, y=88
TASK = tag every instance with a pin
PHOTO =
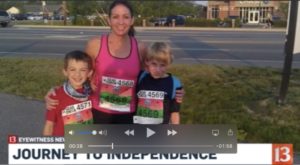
x=157, y=28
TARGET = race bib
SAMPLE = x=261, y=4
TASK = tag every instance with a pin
x=80, y=113
x=116, y=94
x=150, y=107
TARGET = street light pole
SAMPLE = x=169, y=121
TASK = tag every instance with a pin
x=289, y=51
x=64, y=7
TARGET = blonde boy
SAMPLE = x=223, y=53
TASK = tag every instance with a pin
x=156, y=88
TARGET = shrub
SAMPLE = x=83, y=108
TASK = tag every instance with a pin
x=228, y=21
x=201, y=22
x=279, y=23
x=80, y=20
x=139, y=21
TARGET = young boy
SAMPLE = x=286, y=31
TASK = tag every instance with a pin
x=74, y=106
x=156, y=88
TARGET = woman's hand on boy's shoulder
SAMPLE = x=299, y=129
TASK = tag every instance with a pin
x=49, y=101
x=179, y=95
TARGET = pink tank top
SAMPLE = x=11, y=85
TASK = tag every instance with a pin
x=116, y=80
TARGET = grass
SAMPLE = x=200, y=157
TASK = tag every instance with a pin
x=243, y=96
x=31, y=78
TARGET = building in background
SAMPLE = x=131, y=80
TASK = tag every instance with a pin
x=249, y=12
x=13, y=10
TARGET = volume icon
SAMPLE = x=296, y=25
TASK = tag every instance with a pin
x=71, y=132
x=103, y=132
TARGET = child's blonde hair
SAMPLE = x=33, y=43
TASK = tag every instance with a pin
x=159, y=51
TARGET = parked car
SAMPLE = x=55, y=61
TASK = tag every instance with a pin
x=179, y=20
x=57, y=17
x=35, y=17
x=20, y=16
x=160, y=22
x=4, y=18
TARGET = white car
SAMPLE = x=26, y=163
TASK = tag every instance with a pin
x=4, y=18
x=35, y=17
x=160, y=21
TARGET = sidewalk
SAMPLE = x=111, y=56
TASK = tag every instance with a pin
x=19, y=116
x=157, y=28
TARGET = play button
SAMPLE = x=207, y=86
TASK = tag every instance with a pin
x=149, y=132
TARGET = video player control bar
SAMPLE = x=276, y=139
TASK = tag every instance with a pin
x=108, y=138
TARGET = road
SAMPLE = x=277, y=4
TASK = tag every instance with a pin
x=260, y=48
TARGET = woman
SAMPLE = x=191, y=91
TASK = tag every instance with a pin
x=117, y=60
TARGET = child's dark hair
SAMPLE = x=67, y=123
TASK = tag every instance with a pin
x=125, y=3
x=78, y=56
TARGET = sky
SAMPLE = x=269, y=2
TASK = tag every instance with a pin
x=202, y=2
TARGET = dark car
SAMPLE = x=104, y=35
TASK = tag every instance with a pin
x=4, y=18
x=21, y=16
x=179, y=20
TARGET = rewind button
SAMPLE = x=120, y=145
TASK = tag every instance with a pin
x=129, y=132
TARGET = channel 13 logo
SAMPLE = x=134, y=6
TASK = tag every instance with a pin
x=282, y=154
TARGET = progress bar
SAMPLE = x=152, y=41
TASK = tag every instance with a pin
x=150, y=146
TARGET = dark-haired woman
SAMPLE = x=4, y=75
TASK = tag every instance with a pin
x=117, y=62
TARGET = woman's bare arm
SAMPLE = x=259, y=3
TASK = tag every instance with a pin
x=92, y=47
x=142, y=48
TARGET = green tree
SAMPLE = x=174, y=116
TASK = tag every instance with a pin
x=33, y=1
x=284, y=9
x=81, y=9
x=163, y=8
x=8, y=4
x=143, y=8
